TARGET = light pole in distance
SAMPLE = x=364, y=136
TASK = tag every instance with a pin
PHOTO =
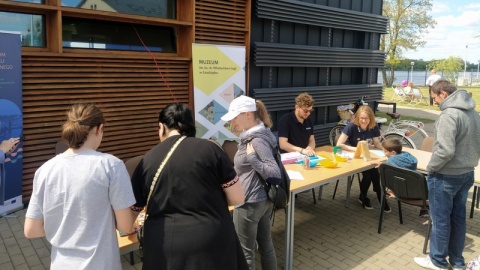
x=478, y=68
x=466, y=55
x=411, y=72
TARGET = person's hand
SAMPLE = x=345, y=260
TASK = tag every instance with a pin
x=250, y=148
x=309, y=151
x=9, y=145
x=376, y=163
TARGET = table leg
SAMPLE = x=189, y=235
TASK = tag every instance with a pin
x=349, y=184
x=320, y=192
x=132, y=261
x=289, y=226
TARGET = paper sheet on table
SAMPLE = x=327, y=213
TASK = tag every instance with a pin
x=347, y=154
x=291, y=155
x=294, y=175
x=379, y=153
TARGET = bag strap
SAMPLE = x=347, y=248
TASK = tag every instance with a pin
x=157, y=174
x=274, y=151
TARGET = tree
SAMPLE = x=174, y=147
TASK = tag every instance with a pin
x=450, y=67
x=409, y=21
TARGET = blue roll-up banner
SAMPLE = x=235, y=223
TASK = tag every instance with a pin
x=11, y=120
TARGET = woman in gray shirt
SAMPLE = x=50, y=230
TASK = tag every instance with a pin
x=254, y=155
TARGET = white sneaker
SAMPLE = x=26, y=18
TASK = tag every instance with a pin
x=425, y=262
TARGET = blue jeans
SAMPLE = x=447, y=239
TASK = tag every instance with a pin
x=447, y=196
x=252, y=223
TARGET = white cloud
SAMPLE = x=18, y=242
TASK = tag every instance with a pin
x=439, y=7
x=454, y=29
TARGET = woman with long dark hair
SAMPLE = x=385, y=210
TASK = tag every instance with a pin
x=188, y=225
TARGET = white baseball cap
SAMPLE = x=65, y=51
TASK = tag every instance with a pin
x=239, y=105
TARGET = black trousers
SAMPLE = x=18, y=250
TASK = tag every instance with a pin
x=371, y=176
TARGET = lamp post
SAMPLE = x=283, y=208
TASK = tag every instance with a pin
x=478, y=68
x=411, y=72
x=465, y=71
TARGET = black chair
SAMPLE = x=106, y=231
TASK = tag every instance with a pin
x=475, y=197
x=230, y=147
x=410, y=187
x=60, y=147
x=132, y=163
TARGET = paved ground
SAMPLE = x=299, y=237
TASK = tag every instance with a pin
x=327, y=235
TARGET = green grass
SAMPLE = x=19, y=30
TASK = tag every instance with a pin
x=475, y=90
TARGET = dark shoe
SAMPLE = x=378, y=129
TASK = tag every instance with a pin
x=387, y=209
x=423, y=213
x=365, y=202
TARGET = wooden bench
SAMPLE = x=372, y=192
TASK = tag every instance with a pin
x=385, y=102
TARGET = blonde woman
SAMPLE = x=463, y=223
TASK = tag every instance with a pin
x=254, y=157
x=364, y=128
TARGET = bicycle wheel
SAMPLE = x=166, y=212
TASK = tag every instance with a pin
x=335, y=133
x=415, y=134
x=406, y=142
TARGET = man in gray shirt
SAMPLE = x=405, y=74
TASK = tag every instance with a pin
x=450, y=174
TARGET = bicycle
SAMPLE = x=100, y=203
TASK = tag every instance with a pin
x=409, y=133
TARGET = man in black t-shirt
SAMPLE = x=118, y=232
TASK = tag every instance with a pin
x=295, y=130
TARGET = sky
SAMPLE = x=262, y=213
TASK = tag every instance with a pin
x=458, y=22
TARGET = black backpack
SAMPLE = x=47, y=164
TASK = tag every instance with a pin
x=278, y=194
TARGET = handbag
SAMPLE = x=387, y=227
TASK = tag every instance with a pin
x=152, y=187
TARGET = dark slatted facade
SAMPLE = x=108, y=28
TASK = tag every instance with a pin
x=326, y=48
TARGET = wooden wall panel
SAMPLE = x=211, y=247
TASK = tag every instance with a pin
x=130, y=90
x=222, y=22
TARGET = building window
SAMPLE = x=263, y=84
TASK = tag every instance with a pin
x=90, y=34
x=29, y=1
x=150, y=8
x=30, y=26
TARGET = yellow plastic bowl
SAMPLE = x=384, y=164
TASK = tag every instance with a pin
x=340, y=158
x=328, y=163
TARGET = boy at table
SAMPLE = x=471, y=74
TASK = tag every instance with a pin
x=396, y=157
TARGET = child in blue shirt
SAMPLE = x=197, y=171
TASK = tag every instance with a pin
x=396, y=157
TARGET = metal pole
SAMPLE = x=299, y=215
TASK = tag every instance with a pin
x=478, y=68
x=411, y=73
x=31, y=32
x=466, y=54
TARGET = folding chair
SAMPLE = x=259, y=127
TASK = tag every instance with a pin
x=399, y=94
x=410, y=187
x=418, y=97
